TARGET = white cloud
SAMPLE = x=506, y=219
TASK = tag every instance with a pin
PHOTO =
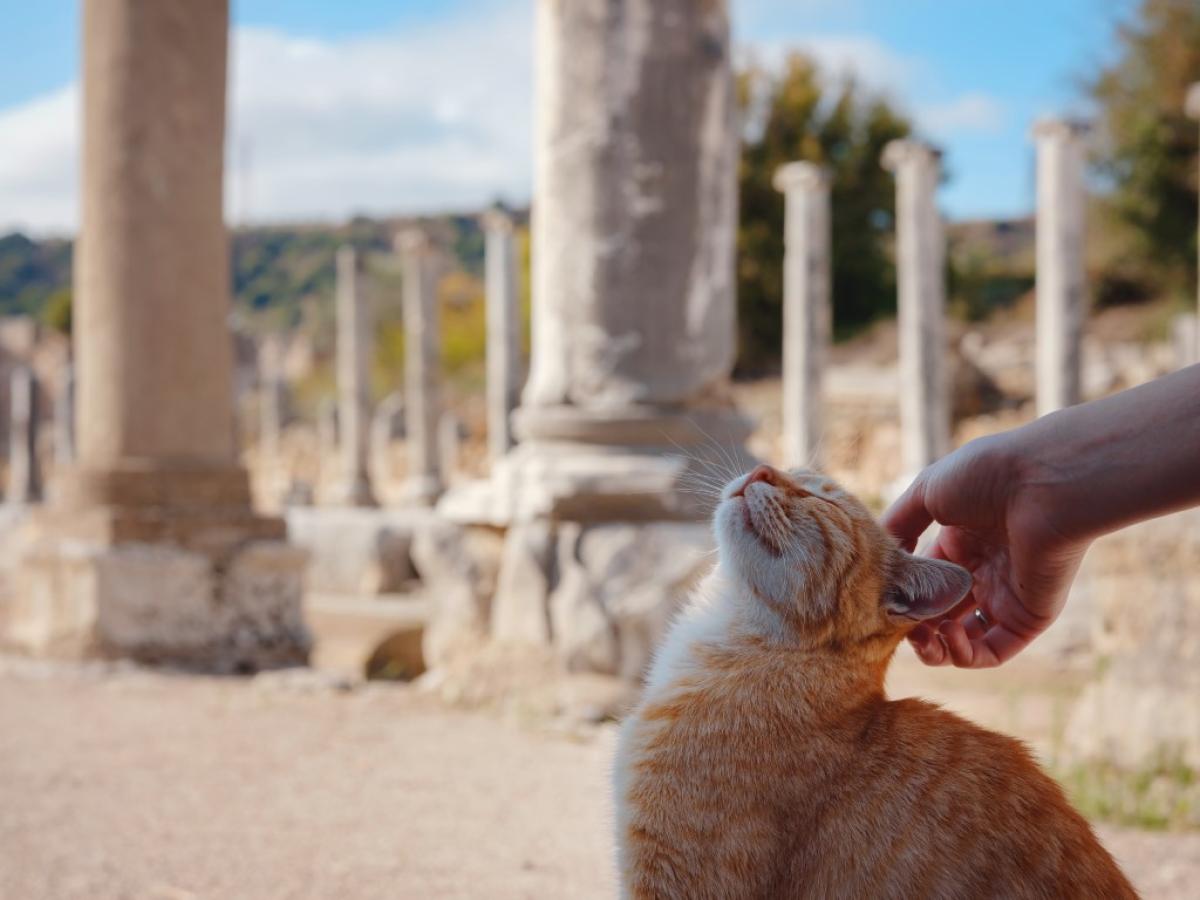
x=38, y=163
x=972, y=112
x=429, y=118
x=426, y=118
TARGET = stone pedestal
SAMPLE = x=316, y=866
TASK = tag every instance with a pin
x=151, y=548
x=1061, y=278
x=422, y=365
x=503, y=331
x=920, y=262
x=354, y=385
x=807, y=318
x=626, y=419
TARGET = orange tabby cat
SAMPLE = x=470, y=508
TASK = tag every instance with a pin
x=765, y=761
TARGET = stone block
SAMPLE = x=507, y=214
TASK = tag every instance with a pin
x=458, y=566
x=520, y=612
x=619, y=584
x=161, y=604
x=357, y=551
x=585, y=636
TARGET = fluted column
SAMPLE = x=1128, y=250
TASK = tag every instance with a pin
x=806, y=310
x=1061, y=278
x=920, y=258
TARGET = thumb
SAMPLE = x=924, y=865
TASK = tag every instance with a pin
x=908, y=517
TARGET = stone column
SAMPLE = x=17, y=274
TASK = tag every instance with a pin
x=807, y=316
x=354, y=385
x=920, y=260
x=273, y=410
x=387, y=424
x=152, y=549
x=503, y=331
x=422, y=364
x=1061, y=281
x=635, y=211
x=1193, y=110
x=626, y=419
x=450, y=437
x=64, y=418
x=24, y=467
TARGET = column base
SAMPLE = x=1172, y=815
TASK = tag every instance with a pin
x=355, y=492
x=422, y=490
x=186, y=576
x=630, y=464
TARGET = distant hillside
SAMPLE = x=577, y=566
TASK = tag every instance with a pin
x=31, y=272
x=277, y=270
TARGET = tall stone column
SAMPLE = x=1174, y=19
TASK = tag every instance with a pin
x=1193, y=110
x=807, y=317
x=503, y=331
x=422, y=365
x=354, y=385
x=24, y=467
x=1061, y=279
x=920, y=259
x=152, y=549
x=635, y=211
x=626, y=421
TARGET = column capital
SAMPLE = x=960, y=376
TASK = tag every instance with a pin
x=1191, y=105
x=1059, y=128
x=906, y=151
x=412, y=239
x=497, y=219
x=347, y=257
x=803, y=176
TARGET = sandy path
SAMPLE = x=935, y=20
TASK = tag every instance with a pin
x=134, y=784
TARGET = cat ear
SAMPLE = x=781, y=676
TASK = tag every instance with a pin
x=924, y=588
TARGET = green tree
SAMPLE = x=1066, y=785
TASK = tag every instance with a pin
x=792, y=115
x=57, y=313
x=1149, y=145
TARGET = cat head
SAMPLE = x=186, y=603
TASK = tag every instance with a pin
x=812, y=554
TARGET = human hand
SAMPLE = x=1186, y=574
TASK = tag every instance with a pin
x=999, y=520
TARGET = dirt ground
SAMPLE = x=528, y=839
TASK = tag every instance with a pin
x=134, y=784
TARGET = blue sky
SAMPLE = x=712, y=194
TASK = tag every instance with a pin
x=415, y=105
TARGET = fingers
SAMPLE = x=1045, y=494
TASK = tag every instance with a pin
x=908, y=518
x=966, y=646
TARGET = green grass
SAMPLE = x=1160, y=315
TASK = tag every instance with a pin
x=1158, y=797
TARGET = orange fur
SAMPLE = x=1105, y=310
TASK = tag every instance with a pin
x=764, y=760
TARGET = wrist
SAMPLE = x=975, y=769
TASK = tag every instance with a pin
x=1046, y=473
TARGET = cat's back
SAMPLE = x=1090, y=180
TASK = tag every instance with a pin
x=726, y=789
x=922, y=803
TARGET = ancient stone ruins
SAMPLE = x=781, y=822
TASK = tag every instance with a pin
x=586, y=523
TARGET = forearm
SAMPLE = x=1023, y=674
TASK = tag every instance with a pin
x=1106, y=464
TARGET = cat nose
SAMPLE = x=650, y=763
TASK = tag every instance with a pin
x=763, y=473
